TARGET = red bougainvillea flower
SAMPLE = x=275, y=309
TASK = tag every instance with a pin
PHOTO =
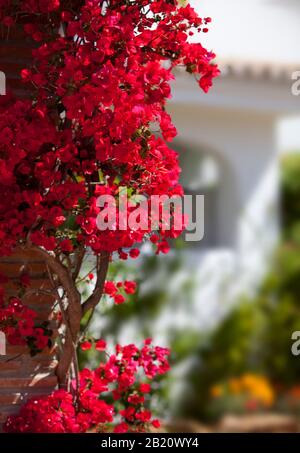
x=19, y=322
x=90, y=130
x=86, y=345
x=145, y=388
x=100, y=345
x=119, y=299
x=129, y=287
x=156, y=423
x=119, y=375
x=121, y=428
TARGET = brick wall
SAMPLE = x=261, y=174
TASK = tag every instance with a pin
x=15, y=54
x=23, y=376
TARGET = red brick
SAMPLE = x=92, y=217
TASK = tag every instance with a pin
x=16, y=382
x=39, y=381
x=11, y=398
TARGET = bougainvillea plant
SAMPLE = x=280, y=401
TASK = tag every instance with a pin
x=112, y=392
x=100, y=79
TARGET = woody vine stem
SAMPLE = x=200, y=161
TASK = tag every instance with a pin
x=72, y=308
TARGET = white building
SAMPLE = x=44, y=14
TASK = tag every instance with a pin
x=229, y=142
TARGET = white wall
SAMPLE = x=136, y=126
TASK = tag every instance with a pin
x=244, y=146
x=265, y=30
x=241, y=134
x=256, y=30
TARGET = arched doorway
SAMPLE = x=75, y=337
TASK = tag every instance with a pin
x=206, y=172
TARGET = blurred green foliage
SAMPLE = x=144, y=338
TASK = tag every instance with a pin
x=256, y=335
x=290, y=200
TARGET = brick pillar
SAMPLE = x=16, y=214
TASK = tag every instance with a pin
x=22, y=376
x=15, y=54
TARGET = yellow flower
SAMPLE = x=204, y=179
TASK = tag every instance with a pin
x=235, y=386
x=216, y=391
x=259, y=388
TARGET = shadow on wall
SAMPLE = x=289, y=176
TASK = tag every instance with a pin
x=205, y=171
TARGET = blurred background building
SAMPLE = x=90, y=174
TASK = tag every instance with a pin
x=230, y=140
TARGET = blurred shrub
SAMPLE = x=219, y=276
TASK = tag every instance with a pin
x=248, y=392
x=230, y=350
x=256, y=336
x=290, y=194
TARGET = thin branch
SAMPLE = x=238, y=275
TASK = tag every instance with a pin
x=44, y=292
x=76, y=374
x=84, y=330
x=59, y=297
x=78, y=262
x=61, y=271
x=82, y=279
x=73, y=312
x=66, y=322
x=102, y=268
x=69, y=262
